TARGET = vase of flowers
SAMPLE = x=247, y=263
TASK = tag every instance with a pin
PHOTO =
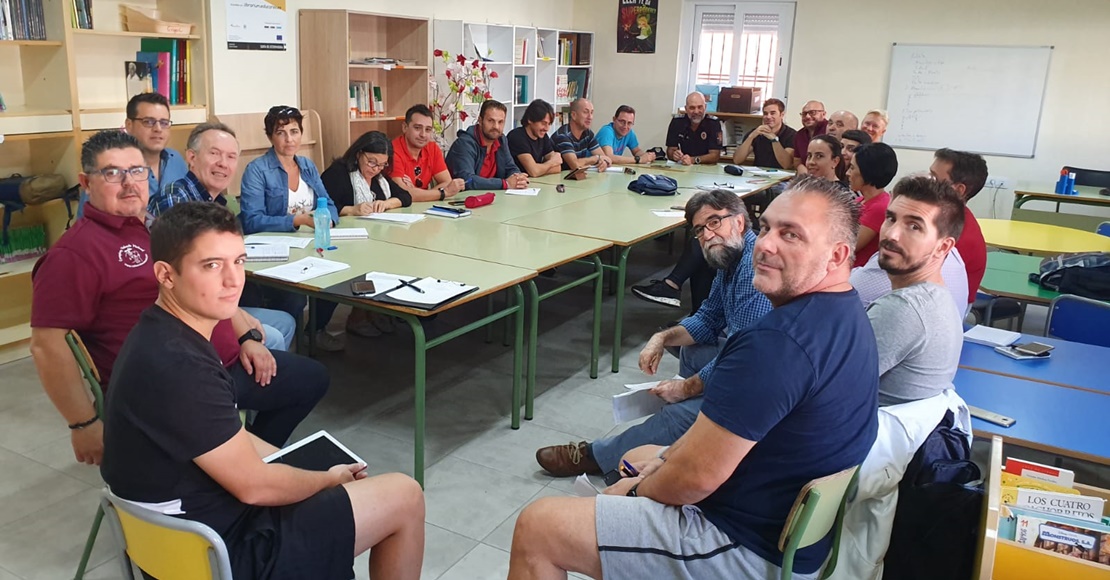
x=467, y=82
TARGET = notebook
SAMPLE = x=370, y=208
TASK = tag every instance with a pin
x=990, y=336
x=317, y=452
x=397, y=218
x=267, y=253
x=349, y=234
x=288, y=241
x=448, y=212
x=303, y=269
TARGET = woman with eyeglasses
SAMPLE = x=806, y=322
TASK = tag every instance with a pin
x=357, y=181
x=278, y=194
x=358, y=184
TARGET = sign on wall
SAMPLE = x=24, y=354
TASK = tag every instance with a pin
x=636, y=24
x=256, y=24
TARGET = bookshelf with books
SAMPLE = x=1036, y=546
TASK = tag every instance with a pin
x=59, y=85
x=379, y=60
x=564, y=69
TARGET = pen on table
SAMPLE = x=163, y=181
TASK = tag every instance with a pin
x=320, y=251
x=410, y=284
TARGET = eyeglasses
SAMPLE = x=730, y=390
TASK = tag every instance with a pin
x=712, y=224
x=370, y=164
x=117, y=174
x=812, y=113
x=150, y=122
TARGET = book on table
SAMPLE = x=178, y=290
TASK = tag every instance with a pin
x=349, y=234
x=267, y=253
x=447, y=212
x=990, y=336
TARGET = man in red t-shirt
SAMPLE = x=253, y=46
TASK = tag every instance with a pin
x=418, y=164
x=98, y=278
x=968, y=173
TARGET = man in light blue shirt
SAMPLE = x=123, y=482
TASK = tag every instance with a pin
x=148, y=120
x=618, y=140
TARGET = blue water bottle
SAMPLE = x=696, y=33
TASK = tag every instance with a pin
x=1070, y=189
x=321, y=221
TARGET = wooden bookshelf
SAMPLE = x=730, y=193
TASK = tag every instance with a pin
x=330, y=40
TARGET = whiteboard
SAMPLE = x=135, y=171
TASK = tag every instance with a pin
x=984, y=99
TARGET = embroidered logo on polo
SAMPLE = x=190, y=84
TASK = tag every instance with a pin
x=132, y=256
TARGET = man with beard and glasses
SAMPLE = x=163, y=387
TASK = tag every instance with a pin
x=813, y=124
x=721, y=226
x=481, y=157
x=917, y=325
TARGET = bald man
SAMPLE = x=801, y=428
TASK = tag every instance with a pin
x=695, y=138
x=842, y=121
x=813, y=124
x=576, y=143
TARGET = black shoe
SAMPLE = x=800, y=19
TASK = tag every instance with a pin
x=659, y=292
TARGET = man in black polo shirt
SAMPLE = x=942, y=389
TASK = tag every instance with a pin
x=695, y=138
x=772, y=142
x=173, y=442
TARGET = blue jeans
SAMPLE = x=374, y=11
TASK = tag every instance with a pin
x=666, y=426
x=279, y=326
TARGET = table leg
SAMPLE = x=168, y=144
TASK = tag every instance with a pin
x=595, y=352
x=518, y=356
x=533, y=343
x=622, y=272
x=489, y=312
x=420, y=354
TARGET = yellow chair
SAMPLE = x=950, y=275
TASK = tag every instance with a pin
x=92, y=377
x=818, y=508
x=165, y=547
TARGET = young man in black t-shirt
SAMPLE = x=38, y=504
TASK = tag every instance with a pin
x=531, y=146
x=173, y=441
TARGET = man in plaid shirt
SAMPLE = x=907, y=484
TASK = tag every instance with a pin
x=212, y=154
x=721, y=224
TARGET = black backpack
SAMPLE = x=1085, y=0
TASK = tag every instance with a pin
x=1086, y=274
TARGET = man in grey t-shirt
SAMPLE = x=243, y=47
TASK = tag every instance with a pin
x=917, y=326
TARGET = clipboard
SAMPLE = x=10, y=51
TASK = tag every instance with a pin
x=401, y=295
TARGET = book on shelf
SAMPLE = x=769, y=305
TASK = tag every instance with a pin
x=1061, y=535
x=561, y=90
x=379, y=107
x=82, y=10
x=174, y=70
x=540, y=55
x=365, y=100
x=582, y=57
x=520, y=89
x=160, y=69
x=520, y=51
x=22, y=20
x=578, y=80
x=1058, y=475
x=137, y=77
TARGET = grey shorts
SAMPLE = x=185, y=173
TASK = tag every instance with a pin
x=640, y=538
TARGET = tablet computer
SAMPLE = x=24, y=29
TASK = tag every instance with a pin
x=317, y=452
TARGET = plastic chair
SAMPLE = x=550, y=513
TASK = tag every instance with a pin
x=1092, y=177
x=1079, y=319
x=92, y=377
x=818, y=509
x=1103, y=229
x=165, y=547
x=988, y=309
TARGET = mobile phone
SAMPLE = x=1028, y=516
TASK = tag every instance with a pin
x=363, y=288
x=991, y=416
x=612, y=477
x=454, y=210
x=1034, y=348
x=579, y=173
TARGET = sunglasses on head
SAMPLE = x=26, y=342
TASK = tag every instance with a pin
x=285, y=111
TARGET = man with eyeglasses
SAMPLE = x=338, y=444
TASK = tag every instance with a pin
x=418, y=164
x=619, y=142
x=721, y=226
x=98, y=278
x=148, y=120
x=813, y=124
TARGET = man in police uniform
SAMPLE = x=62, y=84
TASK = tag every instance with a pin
x=695, y=138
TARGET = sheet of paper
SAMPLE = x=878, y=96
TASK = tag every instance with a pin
x=668, y=213
x=398, y=218
x=287, y=241
x=525, y=191
x=584, y=487
x=733, y=187
x=349, y=234
x=303, y=269
x=607, y=169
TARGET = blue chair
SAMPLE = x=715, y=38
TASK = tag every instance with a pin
x=1103, y=229
x=1079, y=319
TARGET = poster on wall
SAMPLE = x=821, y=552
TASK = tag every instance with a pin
x=256, y=24
x=636, y=24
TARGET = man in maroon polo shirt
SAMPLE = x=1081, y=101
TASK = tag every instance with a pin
x=98, y=278
x=967, y=172
x=813, y=124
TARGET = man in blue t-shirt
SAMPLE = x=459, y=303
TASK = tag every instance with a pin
x=793, y=398
x=576, y=143
x=619, y=142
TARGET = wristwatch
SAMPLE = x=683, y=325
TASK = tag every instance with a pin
x=636, y=158
x=774, y=139
x=252, y=334
x=697, y=160
x=632, y=491
x=442, y=194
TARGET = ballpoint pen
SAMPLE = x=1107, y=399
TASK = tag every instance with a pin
x=410, y=284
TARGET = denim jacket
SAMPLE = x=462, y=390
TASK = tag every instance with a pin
x=264, y=194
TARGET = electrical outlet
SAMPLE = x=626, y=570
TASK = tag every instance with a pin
x=998, y=182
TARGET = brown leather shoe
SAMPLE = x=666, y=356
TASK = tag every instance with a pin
x=567, y=460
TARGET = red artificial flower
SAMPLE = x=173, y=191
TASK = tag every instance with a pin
x=438, y=53
x=461, y=59
x=483, y=68
x=461, y=89
x=476, y=91
x=493, y=74
x=475, y=63
x=447, y=73
x=443, y=117
x=488, y=95
x=462, y=115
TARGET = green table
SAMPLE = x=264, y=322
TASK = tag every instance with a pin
x=1008, y=275
x=506, y=207
x=490, y=241
x=370, y=255
x=1031, y=191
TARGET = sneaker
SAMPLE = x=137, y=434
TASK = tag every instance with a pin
x=329, y=343
x=568, y=460
x=363, y=328
x=659, y=292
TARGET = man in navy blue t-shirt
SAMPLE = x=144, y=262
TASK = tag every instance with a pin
x=792, y=398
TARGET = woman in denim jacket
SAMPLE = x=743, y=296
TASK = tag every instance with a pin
x=278, y=194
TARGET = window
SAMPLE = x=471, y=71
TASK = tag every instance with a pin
x=742, y=44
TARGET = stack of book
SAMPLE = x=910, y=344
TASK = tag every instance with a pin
x=574, y=49
x=81, y=14
x=365, y=100
x=22, y=244
x=22, y=20
x=169, y=60
x=520, y=51
x=1044, y=510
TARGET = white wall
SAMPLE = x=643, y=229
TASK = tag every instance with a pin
x=254, y=81
x=842, y=56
